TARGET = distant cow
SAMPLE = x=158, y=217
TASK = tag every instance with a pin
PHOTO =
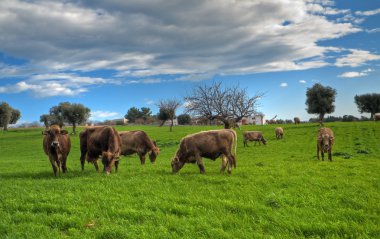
x=297, y=120
x=279, y=132
x=209, y=144
x=376, y=117
x=138, y=142
x=256, y=136
x=57, y=146
x=325, y=140
x=99, y=141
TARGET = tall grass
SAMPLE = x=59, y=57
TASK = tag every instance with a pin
x=277, y=191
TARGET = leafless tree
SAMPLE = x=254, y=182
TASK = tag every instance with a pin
x=228, y=105
x=167, y=109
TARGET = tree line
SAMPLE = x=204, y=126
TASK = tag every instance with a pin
x=211, y=102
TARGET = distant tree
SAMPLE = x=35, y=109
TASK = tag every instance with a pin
x=229, y=105
x=349, y=118
x=56, y=114
x=133, y=114
x=333, y=119
x=320, y=100
x=368, y=103
x=75, y=114
x=184, y=119
x=45, y=119
x=146, y=113
x=167, y=109
x=8, y=115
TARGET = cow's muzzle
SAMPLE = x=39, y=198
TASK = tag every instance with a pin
x=55, y=144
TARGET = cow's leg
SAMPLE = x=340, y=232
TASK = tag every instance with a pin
x=64, y=168
x=82, y=159
x=95, y=162
x=116, y=166
x=142, y=158
x=317, y=151
x=200, y=165
x=330, y=157
x=323, y=155
x=224, y=164
x=245, y=143
x=230, y=162
x=53, y=166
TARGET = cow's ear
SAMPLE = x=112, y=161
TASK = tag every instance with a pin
x=64, y=132
x=154, y=143
x=44, y=132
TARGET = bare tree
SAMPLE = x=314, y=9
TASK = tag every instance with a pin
x=228, y=105
x=167, y=109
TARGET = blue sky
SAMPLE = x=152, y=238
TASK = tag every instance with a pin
x=113, y=55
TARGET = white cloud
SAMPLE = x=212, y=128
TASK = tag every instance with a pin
x=149, y=102
x=368, y=13
x=101, y=115
x=352, y=74
x=284, y=84
x=374, y=30
x=356, y=58
x=151, y=38
x=59, y=84
x=302, y=81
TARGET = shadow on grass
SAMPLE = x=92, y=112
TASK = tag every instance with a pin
x=44, y=175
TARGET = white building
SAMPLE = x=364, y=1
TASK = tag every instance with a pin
x=169, y=122
x=258, y=119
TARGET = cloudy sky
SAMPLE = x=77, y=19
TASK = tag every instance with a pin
x=113, y=55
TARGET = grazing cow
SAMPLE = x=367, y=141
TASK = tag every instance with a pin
x=101, y=141
x=297, y=120
x=209, y=144
x=376, y=117
x=57, y=146
x=138, y=142
x=325, y=140
x=256, y=136
x=279, y=132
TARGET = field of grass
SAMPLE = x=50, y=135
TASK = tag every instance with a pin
x=277, y=191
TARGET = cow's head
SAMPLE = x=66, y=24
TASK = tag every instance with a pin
x=108, y=159
x=263, y=141
x=153, y=154
x=176, y=164
x=326, y=141
x=53, y=133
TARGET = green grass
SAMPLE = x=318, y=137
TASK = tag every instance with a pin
x=277, y=191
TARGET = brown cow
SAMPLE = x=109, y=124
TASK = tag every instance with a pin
x=209, y=144
x=376, y=117
x=256, y=136
x=99, y=141
x=57, y=146
x=297, y=120
x=279, y=132
x=325, y=140
x=138, y=142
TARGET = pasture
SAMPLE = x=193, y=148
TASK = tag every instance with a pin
x=277, y=191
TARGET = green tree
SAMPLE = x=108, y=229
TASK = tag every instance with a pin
x=133, y=114
x=146, y=113
x=45, y=119
x=167, y=109
x=56, y=114
x=368, y=103
x=320, y=100
x=75, y=114
x=184, y=119
x=8, y=115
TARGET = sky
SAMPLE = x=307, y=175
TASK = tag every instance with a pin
x=114, y=55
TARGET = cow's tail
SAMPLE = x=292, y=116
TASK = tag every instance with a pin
x=234, y=145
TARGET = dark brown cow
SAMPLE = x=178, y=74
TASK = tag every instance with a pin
x=57, y=146
x=138, y=142
x=376, y=117
x=256, y=136
x=325, y=140
x=99, y=141
x=297, y=120
x=279, y=132
x=209, y=144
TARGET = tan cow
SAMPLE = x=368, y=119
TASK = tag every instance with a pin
x=256, y=136
x=56, y=144
x=101, y=141
x=325, y=140
x=209, y=144
x=138, y=142
x=279, y=131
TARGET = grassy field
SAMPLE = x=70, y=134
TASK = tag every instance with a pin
x=277, y=191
